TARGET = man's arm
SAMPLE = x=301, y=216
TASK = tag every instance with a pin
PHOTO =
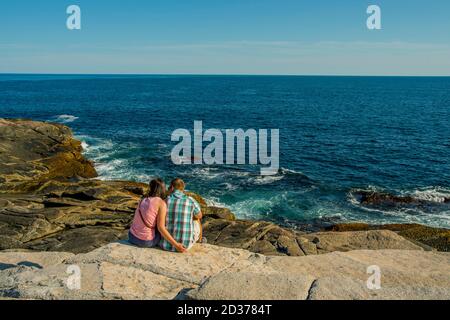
x=197, y=214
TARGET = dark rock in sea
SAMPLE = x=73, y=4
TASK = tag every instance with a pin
x=356, y=226
x=198, y=198
x=380, y=199
x=384, y=199
x=219, y=213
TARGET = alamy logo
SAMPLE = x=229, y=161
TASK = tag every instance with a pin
x=74, y=20
x=233, y=146
x=374, y=281
x=74, y=280
x=374, y=20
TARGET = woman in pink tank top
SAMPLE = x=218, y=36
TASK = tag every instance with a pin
x=144, y=230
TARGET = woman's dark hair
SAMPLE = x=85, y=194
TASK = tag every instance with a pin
x=157, y=188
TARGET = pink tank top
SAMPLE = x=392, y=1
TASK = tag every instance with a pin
x=149, y=211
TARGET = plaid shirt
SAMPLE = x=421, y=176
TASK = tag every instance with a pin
x=179, y=221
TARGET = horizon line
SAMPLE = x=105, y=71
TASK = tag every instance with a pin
x=219, y=74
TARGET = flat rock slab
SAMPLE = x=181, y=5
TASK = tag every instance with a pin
x=195, y=266
x=344, y=288
x=253, y=286
x=115, y=271
x=405, y=274
x=358, y=240
x=121, y=271
x=32, y=259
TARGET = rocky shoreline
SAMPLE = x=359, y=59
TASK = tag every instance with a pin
x=50, y=202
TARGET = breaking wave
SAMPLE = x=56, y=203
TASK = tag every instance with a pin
x=65, y=118
x=431, y=194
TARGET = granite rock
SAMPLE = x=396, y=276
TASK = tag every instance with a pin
x=122, y=271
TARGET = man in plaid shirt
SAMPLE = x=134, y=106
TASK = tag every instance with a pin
x=183, y=220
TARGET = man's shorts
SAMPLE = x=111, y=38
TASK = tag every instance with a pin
x=196, y=236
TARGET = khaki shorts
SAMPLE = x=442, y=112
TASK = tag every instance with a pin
x=196, y=235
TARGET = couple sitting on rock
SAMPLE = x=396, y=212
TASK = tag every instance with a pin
x=174, y=223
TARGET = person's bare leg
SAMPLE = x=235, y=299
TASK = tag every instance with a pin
x=200, y=238
x=201, y=230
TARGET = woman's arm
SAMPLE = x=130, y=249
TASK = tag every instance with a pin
x=162, y=213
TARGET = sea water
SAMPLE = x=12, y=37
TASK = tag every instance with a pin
x=338, y=135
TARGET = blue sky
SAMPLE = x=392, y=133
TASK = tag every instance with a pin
x=226, y=37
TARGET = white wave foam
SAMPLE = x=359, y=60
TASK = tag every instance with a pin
x=252, y=208
x=96, y=148
x=228, y=186
x=84, y=145
x=107, y=168
x=262, y=180
x=66, y=118
x=289, y=171
x=210, y=173
x=266, y=179
x=214, y=202
x=352, y=199
x=432, y=194
x=102, y=153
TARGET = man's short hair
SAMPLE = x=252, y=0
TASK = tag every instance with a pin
x=177, y=184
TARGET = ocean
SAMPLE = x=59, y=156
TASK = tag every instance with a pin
x=338, y=136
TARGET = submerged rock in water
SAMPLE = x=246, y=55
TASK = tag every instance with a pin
x=219, y=213
x=373, y=198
